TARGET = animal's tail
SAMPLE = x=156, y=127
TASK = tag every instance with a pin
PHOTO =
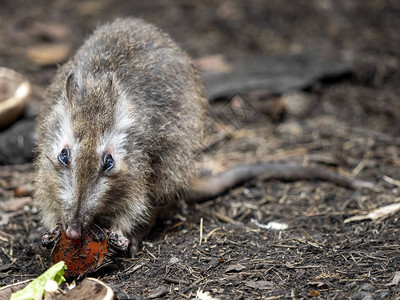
x=209, y=187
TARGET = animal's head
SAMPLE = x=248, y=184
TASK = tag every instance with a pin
x=91, y=145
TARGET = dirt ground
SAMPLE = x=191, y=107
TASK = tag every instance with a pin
x=348, y=124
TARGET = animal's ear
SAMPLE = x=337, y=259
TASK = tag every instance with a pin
x=74, y=91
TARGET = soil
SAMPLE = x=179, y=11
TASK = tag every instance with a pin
x=348, y=123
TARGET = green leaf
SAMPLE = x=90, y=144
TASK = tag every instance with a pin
x=35, y=289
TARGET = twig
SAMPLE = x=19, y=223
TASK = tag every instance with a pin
x=391, y=180
x=173, y=280
x=201, y=230
x=224, y=218
x=211, y=233
x=358, y=168
x=175, y=225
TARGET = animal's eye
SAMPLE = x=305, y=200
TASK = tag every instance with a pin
x=63, y=156
x=108, y=162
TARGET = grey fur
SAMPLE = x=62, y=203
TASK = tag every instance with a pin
x=128, y=61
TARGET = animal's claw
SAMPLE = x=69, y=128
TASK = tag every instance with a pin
x=51, y=237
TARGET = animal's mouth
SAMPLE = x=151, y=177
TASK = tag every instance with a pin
x=77, y=230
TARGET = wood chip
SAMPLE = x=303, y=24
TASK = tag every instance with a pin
x=271, y=225
x=395, y=280
x=158, y=292
x=260, y=284
x=23, y=191
x=379, y=213
x=235, y=268
x=213, y=63
x=391, y=180
x=89, y=288
x=48, y=54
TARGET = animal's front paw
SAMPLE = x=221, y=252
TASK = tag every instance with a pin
x=118, y=241
x=50, y=238
x=121, y=243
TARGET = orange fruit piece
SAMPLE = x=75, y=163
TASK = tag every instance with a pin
x=81, y=256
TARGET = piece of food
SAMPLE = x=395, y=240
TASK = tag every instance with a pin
x=81, y=256
x=35, y=289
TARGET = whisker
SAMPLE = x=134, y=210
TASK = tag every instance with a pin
x=50, y=160
x=101, y=229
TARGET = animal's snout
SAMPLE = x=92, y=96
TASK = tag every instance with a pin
x=74, y=230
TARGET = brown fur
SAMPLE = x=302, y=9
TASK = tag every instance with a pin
x=132, y=60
